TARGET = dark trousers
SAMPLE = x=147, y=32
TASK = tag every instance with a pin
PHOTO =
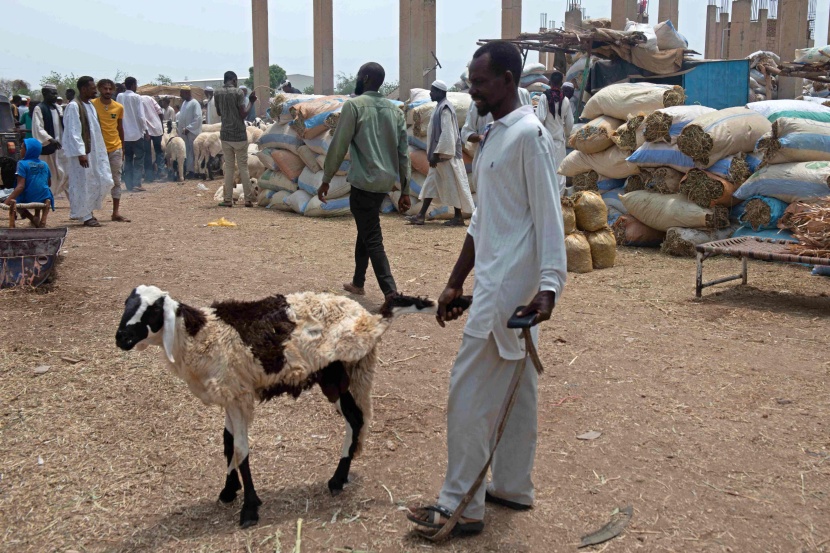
x=153, y=144
x=365, y=207
x=133, y=163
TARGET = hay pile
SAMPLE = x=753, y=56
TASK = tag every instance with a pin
x=332, y=120
x=586, y=181
x=625, y=137
x=665, y=180
x=810, y=225
x=720, y=134
x=706, y=189
x=757, y=213
x=637, y=182
x=594, y=136
x=739, y=170
x=674, y=97
x=656, y=127
x=696, y=143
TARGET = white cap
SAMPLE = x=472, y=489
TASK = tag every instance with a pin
x=209, y=89
x=568, y=85
x=440, y=85
x=49, y=86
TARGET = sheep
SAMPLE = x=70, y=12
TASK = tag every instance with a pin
x=233, y=354
x=254, y=134
x=174, y=156
x=213, y=127
x=207, y=152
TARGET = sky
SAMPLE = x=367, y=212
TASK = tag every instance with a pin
x=203, y=39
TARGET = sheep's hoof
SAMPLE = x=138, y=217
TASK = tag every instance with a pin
x=228, y=495
x=249, y=516
x=336, y=487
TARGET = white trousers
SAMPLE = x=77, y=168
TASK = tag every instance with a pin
x=478, y=386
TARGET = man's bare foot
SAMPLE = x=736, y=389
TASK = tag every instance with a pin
x=120, y=218
x=417, y=220
x=352, y=289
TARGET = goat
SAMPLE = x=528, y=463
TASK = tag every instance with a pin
x=235, y=353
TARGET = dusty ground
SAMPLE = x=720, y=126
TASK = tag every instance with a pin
x=713, y=413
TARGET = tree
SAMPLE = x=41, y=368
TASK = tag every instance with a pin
x=308, y=90
x=10, y=87
x=388, y=88
x=346, y=85
x=164, y=80
x=61, y=82
x=276, y=78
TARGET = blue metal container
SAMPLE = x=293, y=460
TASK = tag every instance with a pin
x=28, y=256
x=718, y=84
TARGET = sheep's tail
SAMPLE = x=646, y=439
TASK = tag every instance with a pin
x=401, y=305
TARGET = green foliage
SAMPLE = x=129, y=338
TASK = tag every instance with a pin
x=388, y=88
x=276, y=78
x=164, y=80
x=61, y=82
x=346, y=83
x=10, y=87
x=308, y=90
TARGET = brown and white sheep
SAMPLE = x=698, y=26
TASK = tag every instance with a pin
x=234, y=354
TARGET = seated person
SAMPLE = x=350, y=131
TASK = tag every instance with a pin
x=33, y=181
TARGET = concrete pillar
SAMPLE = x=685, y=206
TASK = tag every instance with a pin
x=711, y=50
x=828, y=33
x=793, y=33
x=259, y=30
x=723, y=37
x=618, y=14
x=740, y=41
x=573, y=20
x=323, y=47
x=511, y=18
x=668, y=9
x=411, y=46
x=759, y=28
x=428, y=44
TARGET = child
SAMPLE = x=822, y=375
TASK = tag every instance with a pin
x=33, y=181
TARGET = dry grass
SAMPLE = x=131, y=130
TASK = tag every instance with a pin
x=625, y=137
x=332, y=119
x=586, y=181
x=739, y=170
x=810, y=225
x=757, y=213
x=696, y=143
x=674, y=97
x=664, y=180
x=637, y=182
x=702, y=189
x=657, y=127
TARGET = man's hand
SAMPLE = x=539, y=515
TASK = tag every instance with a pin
x=433, y=161
x=542, y=304
x=446, y=297
x=147, y=136
x=8, y=201
x=474, y=138
x=252, y=97
x=83, y=161
x=322, y=192
x=186, y=132
x=57, y=144
x=404, y=203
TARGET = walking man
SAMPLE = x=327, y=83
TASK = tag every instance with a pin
x=515, y=243
x=111, y=118
x=47, y=127
x=230, y=106
x=190, y=126
x=153, y=116
x=554, y=112
x=374, y=131
x=89, y=168
x=135, y=133
x=447, y=177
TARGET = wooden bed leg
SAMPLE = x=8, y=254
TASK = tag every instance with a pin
x=745, y=270
x=12, y=213
x=699, y=282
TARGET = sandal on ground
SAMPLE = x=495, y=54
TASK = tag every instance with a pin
x=225, y=204
x=249, y=204
x=489, y=498
x=92, y=223
x=120, y=219
x=415, y=220
x=454, y=223
x=352, y=289
x=430, y=517
x=138, y=189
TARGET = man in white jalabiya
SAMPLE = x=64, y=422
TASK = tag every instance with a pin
x=212, y=116
x=90, y=178
x=447, y=178
x=189, y=127
x=554, y=111
x=47, y=127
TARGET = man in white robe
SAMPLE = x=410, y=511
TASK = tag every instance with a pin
x=90, y=178
x=189, y=127
x=212, y=116
x=447, y=177
x=49, y=131
x=554, y=111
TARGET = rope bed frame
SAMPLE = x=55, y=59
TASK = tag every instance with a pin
x=12, y=209
x=749, y=247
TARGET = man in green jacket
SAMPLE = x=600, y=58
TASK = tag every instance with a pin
x=374, y=131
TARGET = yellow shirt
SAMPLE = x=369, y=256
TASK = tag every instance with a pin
x=108, y=116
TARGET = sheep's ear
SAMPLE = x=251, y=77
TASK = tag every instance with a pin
x=169, y=332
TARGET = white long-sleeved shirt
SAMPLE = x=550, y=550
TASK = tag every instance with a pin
x=38, y=130
x=559, y=126
x=476, y=124
x=212, y=114
x=190, y=117
x=524, y=97
x=135, y=123
x=517, y=227
x=152, y=111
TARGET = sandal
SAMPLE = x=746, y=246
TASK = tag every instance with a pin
x=249, y=204
x=430, y=517
x=454, y=223
x=352, y=289
x=489, y=498
x=92, y=223
x=225, y=204
x=414, y=220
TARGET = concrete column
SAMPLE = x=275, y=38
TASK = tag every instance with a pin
x=323, y=47
x=723, y=37
x=711, y=33
x=793, y=33
x=428, y=47
x=511, y=18
x=759, y=35
x=411, y=46
x=828, y=33
x=573, y=20
x=618, y=14
x=740, y=41
x=668, y=9
x=259, y=30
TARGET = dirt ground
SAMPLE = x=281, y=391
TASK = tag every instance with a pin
x=713, y=413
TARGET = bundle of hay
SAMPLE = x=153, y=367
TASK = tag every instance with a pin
x=591, y=211
x=586, y=181
x=739, y=170
x=578, y=251
x=664, y=211
x=664, y=180
x=664, y=125
x=810, y=225
x=603, y=246
x=681, y=242
x=332, y=119
x=568, y=215
x=714, y=136
x=707, y=190
x=794, y=139
x=628, y=136
x=610, y=163
x=761, y=213
x=594, y=136
x=624, y=99
x=637, y=182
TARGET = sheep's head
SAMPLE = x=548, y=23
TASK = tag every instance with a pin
x=149, y=320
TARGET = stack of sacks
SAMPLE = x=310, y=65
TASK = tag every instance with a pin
x=422, y=114
x=760, y=216
x=533, y=77
x=757, y=80
x=589, y=242
x=794, y=109
x=282, y=103
x=310, y=116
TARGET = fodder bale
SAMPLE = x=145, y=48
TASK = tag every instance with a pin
x=594, y=136
x=624, y=99
x=637, y=182
x=681, y=242
x=568, y=215
x=714, y=136
x=586, y=181
x=665, y=125
x=423, y=113
x=793, y=140
x=590, y=210
x=664, y=180
x=663, y=211
x=610, y=163
x=788, y=182
x=603, y=248
x=760, y=213
x=578, y=251
x=629, y=231
x=629, y=136
x=707, y=189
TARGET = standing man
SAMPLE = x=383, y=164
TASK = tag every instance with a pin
x=168, y=113
x=15, y=103
x=447, y=177
x=554, y=112
x=153, y=116
x=230, y=105
x=190, y=126
x=47, y=127
x=89, y=168
x=212, y=117
x=289, y=88
x=111, y=118
x=374, y=131
x=70, y=95
x=251, y=116
x=516, y=245
x=135, y=133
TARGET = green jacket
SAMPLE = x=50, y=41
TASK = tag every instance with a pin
x=374, y=130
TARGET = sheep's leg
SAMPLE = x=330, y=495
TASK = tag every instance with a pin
x=251, y=502
x=232, y=484
x=354, y=423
